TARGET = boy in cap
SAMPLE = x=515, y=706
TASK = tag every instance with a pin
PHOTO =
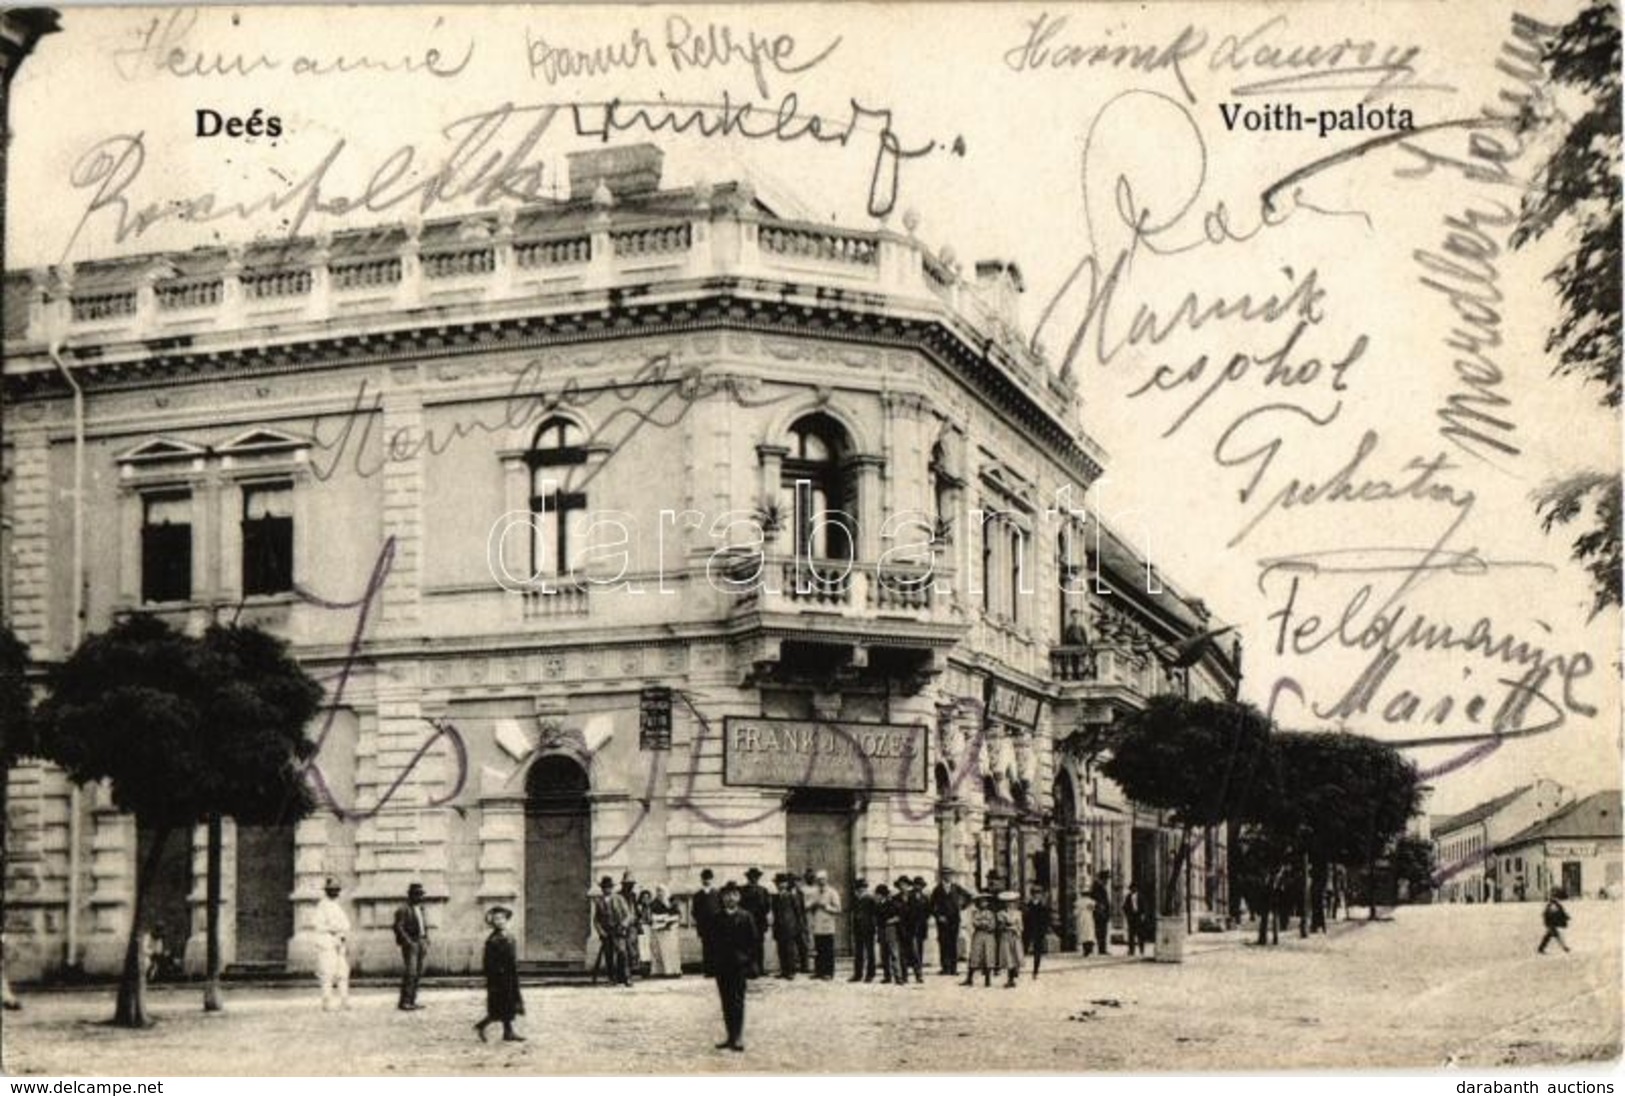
x=412, y=937
x=332, y=928
x=501, y=964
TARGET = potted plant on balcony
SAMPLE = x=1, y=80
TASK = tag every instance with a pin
x=942, y=533
x=769, y=517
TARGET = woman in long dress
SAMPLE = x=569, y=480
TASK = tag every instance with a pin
x=667, y=960
x=984, y=955
x=1008, y=916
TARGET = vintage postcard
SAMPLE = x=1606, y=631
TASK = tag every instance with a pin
x=1052, y=537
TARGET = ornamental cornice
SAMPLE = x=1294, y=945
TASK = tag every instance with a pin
x=849, y=336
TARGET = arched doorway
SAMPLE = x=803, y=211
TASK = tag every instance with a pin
x=558, y=860
x=1066, y=859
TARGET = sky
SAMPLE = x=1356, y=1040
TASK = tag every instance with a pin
x=1237, y=361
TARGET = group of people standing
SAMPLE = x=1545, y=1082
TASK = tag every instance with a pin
x=636, y=931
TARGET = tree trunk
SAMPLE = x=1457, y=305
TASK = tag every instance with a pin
x=131, y=1010
x=1371, y=885
x=1170, y=894
x=212, y=1001
x=1317, y=895
x=1304, y=899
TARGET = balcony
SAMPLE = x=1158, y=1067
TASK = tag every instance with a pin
x=1105, y=669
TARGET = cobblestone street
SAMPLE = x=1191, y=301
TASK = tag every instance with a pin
x=1435, y=983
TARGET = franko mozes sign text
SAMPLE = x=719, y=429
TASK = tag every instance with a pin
x=813, y=753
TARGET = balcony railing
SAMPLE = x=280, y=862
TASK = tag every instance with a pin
x=776, y=584
x=1109, y=664
x=315, y=285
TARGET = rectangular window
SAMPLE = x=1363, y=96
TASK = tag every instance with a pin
x=268, y=539
x=1018, y=542
x=166, y=546
x=560, y=523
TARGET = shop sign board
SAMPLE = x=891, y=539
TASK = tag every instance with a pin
x=817, y=753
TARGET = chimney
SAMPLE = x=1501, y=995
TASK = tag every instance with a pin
x=999, y=284
x=628, y=171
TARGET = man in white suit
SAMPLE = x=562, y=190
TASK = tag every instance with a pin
x=331, y=926
x=824, y=910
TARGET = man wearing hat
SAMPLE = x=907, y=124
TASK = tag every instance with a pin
x=609, y=923
x=412, y=936
x=911, y=908
x=889, y=910
x=824, y=908
x=733, y=954
x=948, y=899
x=922, y=917
x=863, y=932
x=331, y=926
x=626, y=908
x=786, y=924
x=754, y=900
x=704, y=907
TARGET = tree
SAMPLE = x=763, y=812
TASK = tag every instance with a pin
x=186, y=731
x=1579, y=185
x=1413, y=862
x=260, y=702
x=1197, y=760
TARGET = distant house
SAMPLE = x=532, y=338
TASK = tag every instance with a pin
x=1578, y=849
x=1468, y=870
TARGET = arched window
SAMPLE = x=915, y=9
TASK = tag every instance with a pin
x=558, y=514
x=818, y=495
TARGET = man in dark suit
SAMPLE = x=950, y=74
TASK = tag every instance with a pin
x=916, y=915
x=733, y=958
x=948, y=899
x=1100, y=894
x=864, y=924
x=787, y=925
x=754, y=900
x=705, y=906
x=412, y=935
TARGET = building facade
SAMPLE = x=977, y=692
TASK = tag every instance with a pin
x=641, y=532
x=1576, y=850
x=1468, y=868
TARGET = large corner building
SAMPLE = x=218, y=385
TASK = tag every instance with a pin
x=643, y=531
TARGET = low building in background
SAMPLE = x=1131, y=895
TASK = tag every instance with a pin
x=1468, y=870
x=1576, y=849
